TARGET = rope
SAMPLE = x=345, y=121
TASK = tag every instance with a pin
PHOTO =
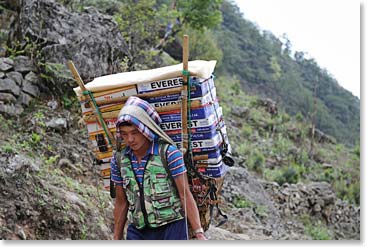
x=218, y=128
x=99, y=114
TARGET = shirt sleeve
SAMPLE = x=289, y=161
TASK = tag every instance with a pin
x=175, y=161
x=115, y=172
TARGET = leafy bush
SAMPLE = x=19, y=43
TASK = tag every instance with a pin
x=317, y=231
x=261, y=210
x=8, y=148
x=288, y=175
x=240, y=202
x=246, y=130
x=35, y=138
x=299, y=117
x=357, y=150
x=348, y=192
x=256, y=161
x=282, y=145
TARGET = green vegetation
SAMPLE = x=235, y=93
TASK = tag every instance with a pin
x=256, y=161
x=280, y=153
x=250, y=61
x=317, y=231
x=262, y=63
x=7, y=148
x=240, y=202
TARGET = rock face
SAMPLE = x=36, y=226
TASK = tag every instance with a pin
x=240, y=184
x=317, y=200
x=18, y=84
x=34, y=208
x=90, y=39
x=52, y=193
x=269, y=211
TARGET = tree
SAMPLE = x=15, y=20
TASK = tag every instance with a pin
x=203, y=45
x=147, y=25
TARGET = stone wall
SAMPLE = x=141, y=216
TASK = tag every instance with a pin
x=317, y=200
x=18, y=84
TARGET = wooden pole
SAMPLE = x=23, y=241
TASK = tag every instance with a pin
x=185, y=58
x=82, y=87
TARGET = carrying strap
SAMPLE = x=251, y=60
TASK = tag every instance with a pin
x=214, y=198
x=212, y=192
x=163, y=154
x=117, y=154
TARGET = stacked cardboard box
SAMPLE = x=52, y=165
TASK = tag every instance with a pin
x=207, y=128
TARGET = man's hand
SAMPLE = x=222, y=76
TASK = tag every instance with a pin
x=200, y=236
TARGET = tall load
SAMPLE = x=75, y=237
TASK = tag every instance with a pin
x=208, y=153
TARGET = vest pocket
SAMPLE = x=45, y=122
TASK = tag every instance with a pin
x=160, y=190
x=165, y=214
x=162, y=203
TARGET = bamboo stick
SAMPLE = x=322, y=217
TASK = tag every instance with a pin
x=185, y=58
x=81, y=85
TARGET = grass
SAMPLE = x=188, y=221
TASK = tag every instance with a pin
x=316, y=230
x=241, y=202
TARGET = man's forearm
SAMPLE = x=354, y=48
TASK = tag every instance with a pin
x=119, y=213
x=191, y=211
x=120, y=221
x=189, y=205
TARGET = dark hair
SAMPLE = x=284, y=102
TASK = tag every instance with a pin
x=125, y=124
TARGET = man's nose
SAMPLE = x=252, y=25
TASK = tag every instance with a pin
x=130, y=138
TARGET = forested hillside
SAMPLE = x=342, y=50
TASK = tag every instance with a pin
x=265, y=66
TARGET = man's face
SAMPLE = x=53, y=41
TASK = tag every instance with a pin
x=133, y=138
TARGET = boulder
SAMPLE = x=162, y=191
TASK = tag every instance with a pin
x=15, y=76
x=19, y=162
x=32, y=78
x=7, y=98
x=6, y=64
x=24, y=99
x=30, y=89
x=23, y=64
x=11, y=110
x=57, y=124
x=9, y=86
x=240, y=111
x=53, y=104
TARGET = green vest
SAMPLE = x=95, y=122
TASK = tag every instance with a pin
x=159, y=203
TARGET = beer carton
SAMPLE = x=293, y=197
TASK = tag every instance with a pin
x=199, y=86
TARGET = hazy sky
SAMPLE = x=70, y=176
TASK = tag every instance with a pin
x=327, y=30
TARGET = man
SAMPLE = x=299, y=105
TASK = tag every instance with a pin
x=152, y=191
